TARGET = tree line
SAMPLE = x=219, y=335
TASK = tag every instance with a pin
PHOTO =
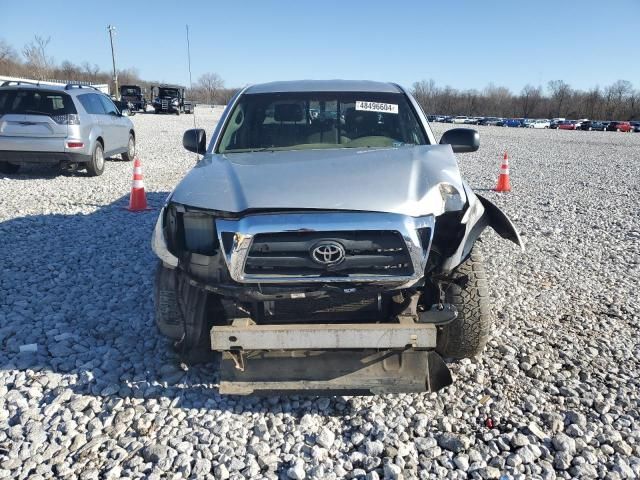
x=34, y=61
x=618, y=101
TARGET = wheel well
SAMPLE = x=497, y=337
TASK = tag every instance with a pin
x=99, y=139
x=132, y=133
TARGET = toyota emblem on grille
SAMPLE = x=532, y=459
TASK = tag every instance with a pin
x=328, y=253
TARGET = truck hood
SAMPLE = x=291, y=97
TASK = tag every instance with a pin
x=404, y=180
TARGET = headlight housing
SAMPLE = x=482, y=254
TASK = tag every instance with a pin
x=190, y=231
x=451, y=197
x=200, y=234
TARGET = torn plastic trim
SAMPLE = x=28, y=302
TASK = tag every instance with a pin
x=159, y=243
x=481, y=214
x=502, y=224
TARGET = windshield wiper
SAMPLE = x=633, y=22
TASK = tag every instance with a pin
x=37, y=112
x=271, y=147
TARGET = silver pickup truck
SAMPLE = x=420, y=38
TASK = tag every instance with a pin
x=325, y=243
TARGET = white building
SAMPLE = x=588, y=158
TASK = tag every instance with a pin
x=103, y=87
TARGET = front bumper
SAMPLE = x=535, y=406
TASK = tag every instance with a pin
x=341, y=372
x=51, y=158
x=335, y=358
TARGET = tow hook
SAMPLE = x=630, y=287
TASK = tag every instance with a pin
x=439, y=314
x=69, y=166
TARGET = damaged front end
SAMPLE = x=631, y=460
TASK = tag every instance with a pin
x=284, y=319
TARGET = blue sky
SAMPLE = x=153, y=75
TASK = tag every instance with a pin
x=464, y=43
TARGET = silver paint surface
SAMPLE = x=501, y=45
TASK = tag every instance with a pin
x=402, y=180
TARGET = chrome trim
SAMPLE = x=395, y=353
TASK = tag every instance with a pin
x=244, y=230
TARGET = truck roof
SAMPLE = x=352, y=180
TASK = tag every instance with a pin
x=166, y=85
x=325, y=86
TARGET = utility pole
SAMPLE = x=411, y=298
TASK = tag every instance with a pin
x=111, y=30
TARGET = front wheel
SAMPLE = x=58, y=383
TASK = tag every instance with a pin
x=95, y=166
x=468, y=291
x=9, y=168
x=185, y=314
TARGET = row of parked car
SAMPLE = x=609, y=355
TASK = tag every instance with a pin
x=554, y=123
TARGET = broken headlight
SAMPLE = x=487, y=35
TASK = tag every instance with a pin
x=190, y=231
x=200, y=233
x=451, y=197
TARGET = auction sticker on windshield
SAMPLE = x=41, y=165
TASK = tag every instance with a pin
x=377, y=107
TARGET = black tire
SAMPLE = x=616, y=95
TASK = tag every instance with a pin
x=9, y=168
x=185, y=314
x=468, y=334
x=131, y=149
x=95, y=166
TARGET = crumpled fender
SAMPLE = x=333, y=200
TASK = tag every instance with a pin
x=481, y=214
x=499, y=221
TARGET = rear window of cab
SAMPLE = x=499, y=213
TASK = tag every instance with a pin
x=35, y=102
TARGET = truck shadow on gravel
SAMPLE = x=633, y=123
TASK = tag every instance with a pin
x=47, y=172
x=76, y=296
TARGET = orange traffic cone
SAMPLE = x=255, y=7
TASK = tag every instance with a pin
x=504, y=185
x=138, y=198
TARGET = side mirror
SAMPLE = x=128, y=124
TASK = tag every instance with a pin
x=462, y=140
x=195, y=140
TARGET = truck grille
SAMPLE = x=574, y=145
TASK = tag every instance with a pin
x=376, y=253
x=164, y=104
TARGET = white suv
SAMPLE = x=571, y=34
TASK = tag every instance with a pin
x=74, y=126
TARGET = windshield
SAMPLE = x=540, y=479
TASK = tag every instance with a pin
x=130, y=91
x=167, y=92
x=297, y=121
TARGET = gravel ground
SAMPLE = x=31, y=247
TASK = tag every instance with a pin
x=98, y=394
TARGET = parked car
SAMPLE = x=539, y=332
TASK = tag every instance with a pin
x=299, y=290
x=73, y=126
x=513, y=122
x=619, y=127
x=459, y=119
x=440, y=118
x=593, y=125
x=490, y=121
x=539, y=123
x=636, y=126
x=473, y=120
x=569, y=125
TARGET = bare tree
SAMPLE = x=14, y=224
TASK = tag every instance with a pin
x=593, y=103
x=560, y=90
x=7, y=53
x=68, y=70
x=529, y=99
x=38, y=61
x=91, y=71
x=210, y=83
x=425, y=91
